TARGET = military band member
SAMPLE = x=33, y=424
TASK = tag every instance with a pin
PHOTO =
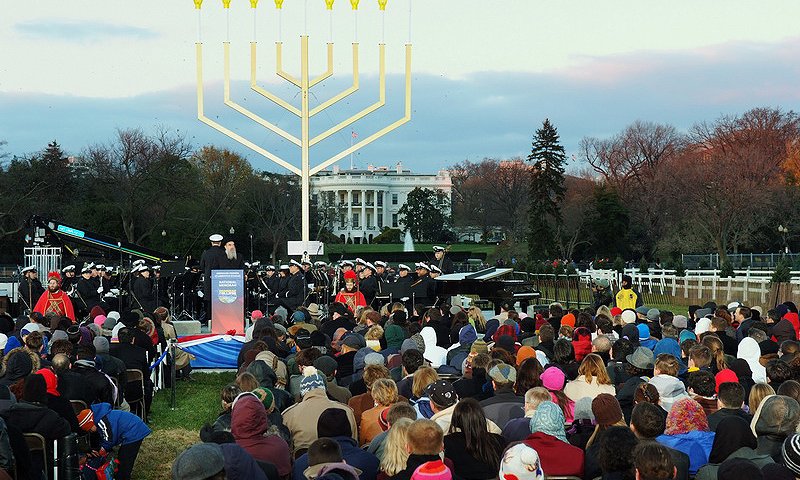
x=368, y=285
x=30, y=288
x=68, y=279
x=381, y=271
x=403, y=274
x=295, y=292
x=142, y=290
x=423, y=287
x=88, y=296
x=435, y=271
x=444, y=263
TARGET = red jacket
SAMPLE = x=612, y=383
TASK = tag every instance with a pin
x=248, y=425
x=558, y=458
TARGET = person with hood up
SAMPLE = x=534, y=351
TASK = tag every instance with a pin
x=458, y=352
x=665, y=379
x=56, y=402
x=16, y=365
x=581, y=343
x=750, y=352
x=250, y=428
x=548, y=438
x=433, y=353
x=775, y=419
x=521, y=462
x=687, y=431
x=733, y=439
x=114, y=428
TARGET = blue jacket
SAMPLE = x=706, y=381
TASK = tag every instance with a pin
x=354, y=456
x=696, y=444
x=117, y=427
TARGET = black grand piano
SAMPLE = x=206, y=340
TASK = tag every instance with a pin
x=495, y=285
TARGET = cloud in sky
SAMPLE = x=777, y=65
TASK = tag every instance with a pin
x=80, y=31
x=488, y=114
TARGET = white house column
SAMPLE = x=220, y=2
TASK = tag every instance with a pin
x=349, y=224
x=363, y=220
x=375, y=208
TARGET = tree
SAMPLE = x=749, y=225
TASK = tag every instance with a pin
x=140, y=178
x=491, y=193
x=546, y=191
x=389, y=235
x=274, y=200
x=608, y=222
x=426, y=214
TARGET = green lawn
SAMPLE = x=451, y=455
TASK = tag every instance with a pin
x=197, y=402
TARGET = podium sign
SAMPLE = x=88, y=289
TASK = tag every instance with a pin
x=227, y=301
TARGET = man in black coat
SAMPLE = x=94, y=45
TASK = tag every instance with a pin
x=295, y=292
x=134, y=358
x=30, y=289
x=444, y=263
x=99, y=385
x=71, y=385
x=368, y=284
x=88, y=296
x=142, y=289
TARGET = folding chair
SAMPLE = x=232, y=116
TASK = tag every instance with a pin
x=134, y=392
x=78, y=406
x=36, y=443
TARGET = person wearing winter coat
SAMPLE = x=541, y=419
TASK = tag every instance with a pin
x=592, y=380
x=114, y=428
x=250, y=428
x=433, y=353
x=687, y=431
x=335, y=423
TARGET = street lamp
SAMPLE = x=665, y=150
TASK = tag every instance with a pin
x=251, y=247
x=163, y=233
x=784, y=232
x=232, y=231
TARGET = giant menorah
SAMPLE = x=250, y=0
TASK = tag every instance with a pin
x=305, y=83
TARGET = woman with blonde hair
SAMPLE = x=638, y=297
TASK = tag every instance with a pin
x=373, y=337
x=395, y=453
x=758, y=393
x=592, y=380
x=384, y=392
x=423, y=377
x=476, y=318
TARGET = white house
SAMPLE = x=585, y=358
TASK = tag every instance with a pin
x=358, y=204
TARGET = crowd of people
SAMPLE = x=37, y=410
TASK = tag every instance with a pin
x=445, y=393
x=72, y=383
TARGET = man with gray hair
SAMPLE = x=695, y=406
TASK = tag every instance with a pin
x=518, y=429
x=602, y=346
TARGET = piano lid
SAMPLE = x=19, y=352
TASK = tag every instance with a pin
x=485, y=274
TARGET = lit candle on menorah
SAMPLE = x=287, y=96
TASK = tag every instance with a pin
x=304, y=82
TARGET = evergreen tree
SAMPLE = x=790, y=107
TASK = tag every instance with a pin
x=426, y=214
x=546, y=191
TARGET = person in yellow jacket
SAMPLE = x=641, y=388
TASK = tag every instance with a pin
x=627, y=297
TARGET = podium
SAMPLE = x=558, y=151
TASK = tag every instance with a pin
x=227, y=301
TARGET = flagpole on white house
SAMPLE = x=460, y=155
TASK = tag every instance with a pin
x=353, y=135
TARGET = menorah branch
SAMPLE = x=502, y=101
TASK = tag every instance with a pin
x=279, y=66
x=380, y=133
x=261, y=91
x=344, y=94
x=363, y=113
x=328, y=72
x=247, y=113
x=225, y=131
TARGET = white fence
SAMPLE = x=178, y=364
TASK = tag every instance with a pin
x=662, y=286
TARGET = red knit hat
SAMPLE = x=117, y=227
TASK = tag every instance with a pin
x=725, y=376
x=435, y=470
x=616, y=311
x=86, y=420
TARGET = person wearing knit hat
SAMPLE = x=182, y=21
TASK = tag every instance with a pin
x=525, y=352
x=419, y=341
x=86, y=420
x=628, y=316
x=686, y=335
x=790, y=451
x=687, y=431
x=302, y=418
x=200, y=461
x=408, y=344
x=503, y=374
x=116, y=429
x=435, y=470
x=479, y=346
x=606, y=410
x=521, y=462
x=739, y=469
x=311, y=379
x=680, y=321
x=568, y=319
x=467, y=335
x=724, y=376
